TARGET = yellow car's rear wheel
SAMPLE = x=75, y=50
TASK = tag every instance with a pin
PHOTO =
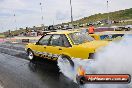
x=67, y=59
x=91, y=56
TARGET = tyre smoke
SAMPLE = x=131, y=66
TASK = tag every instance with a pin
x=116, y=58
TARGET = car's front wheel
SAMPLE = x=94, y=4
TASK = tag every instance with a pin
x=30, y=55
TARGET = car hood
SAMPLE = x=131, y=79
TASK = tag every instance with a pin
x=94, y=44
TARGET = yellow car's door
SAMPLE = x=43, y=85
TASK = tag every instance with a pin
x=41, y=46
x=58, y=44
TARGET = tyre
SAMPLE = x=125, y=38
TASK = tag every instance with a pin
x=91, y=56
x=31, y=55
x=67, y=59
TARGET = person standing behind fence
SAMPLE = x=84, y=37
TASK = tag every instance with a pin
x=91, y=29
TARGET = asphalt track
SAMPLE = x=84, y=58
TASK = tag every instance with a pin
x=18, y=72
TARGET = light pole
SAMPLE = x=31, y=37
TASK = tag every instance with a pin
x=42, y=18
x=2, y=25
x=15, y=21
x=41, y=9
x=71, y=12
x=108, y=19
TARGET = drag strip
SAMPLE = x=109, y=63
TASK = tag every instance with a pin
x=14, y=50
x=18, y=72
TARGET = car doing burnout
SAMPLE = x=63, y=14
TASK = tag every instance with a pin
x=64, y=44
x=110, y=35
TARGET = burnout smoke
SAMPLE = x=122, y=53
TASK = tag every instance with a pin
x=116, y=58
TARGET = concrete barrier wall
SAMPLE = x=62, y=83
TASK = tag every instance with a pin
x=20, y=39
x=2, y=39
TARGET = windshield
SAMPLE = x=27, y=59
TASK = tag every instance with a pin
x=79, y=38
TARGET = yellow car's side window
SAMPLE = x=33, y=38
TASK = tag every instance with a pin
x=65, y=41
x=44, y=40
x=56, y=40
x=59, y=40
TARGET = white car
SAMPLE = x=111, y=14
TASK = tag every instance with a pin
x=128, y=26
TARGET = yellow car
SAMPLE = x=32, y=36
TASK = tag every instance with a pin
x=107, y=35
x=110, y=35
x=64, y=44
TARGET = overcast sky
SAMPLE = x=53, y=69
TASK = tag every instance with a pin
x=28, y=12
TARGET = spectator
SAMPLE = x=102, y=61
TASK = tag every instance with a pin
x=91, y=29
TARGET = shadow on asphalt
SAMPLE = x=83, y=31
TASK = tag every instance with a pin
x=47, y=68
